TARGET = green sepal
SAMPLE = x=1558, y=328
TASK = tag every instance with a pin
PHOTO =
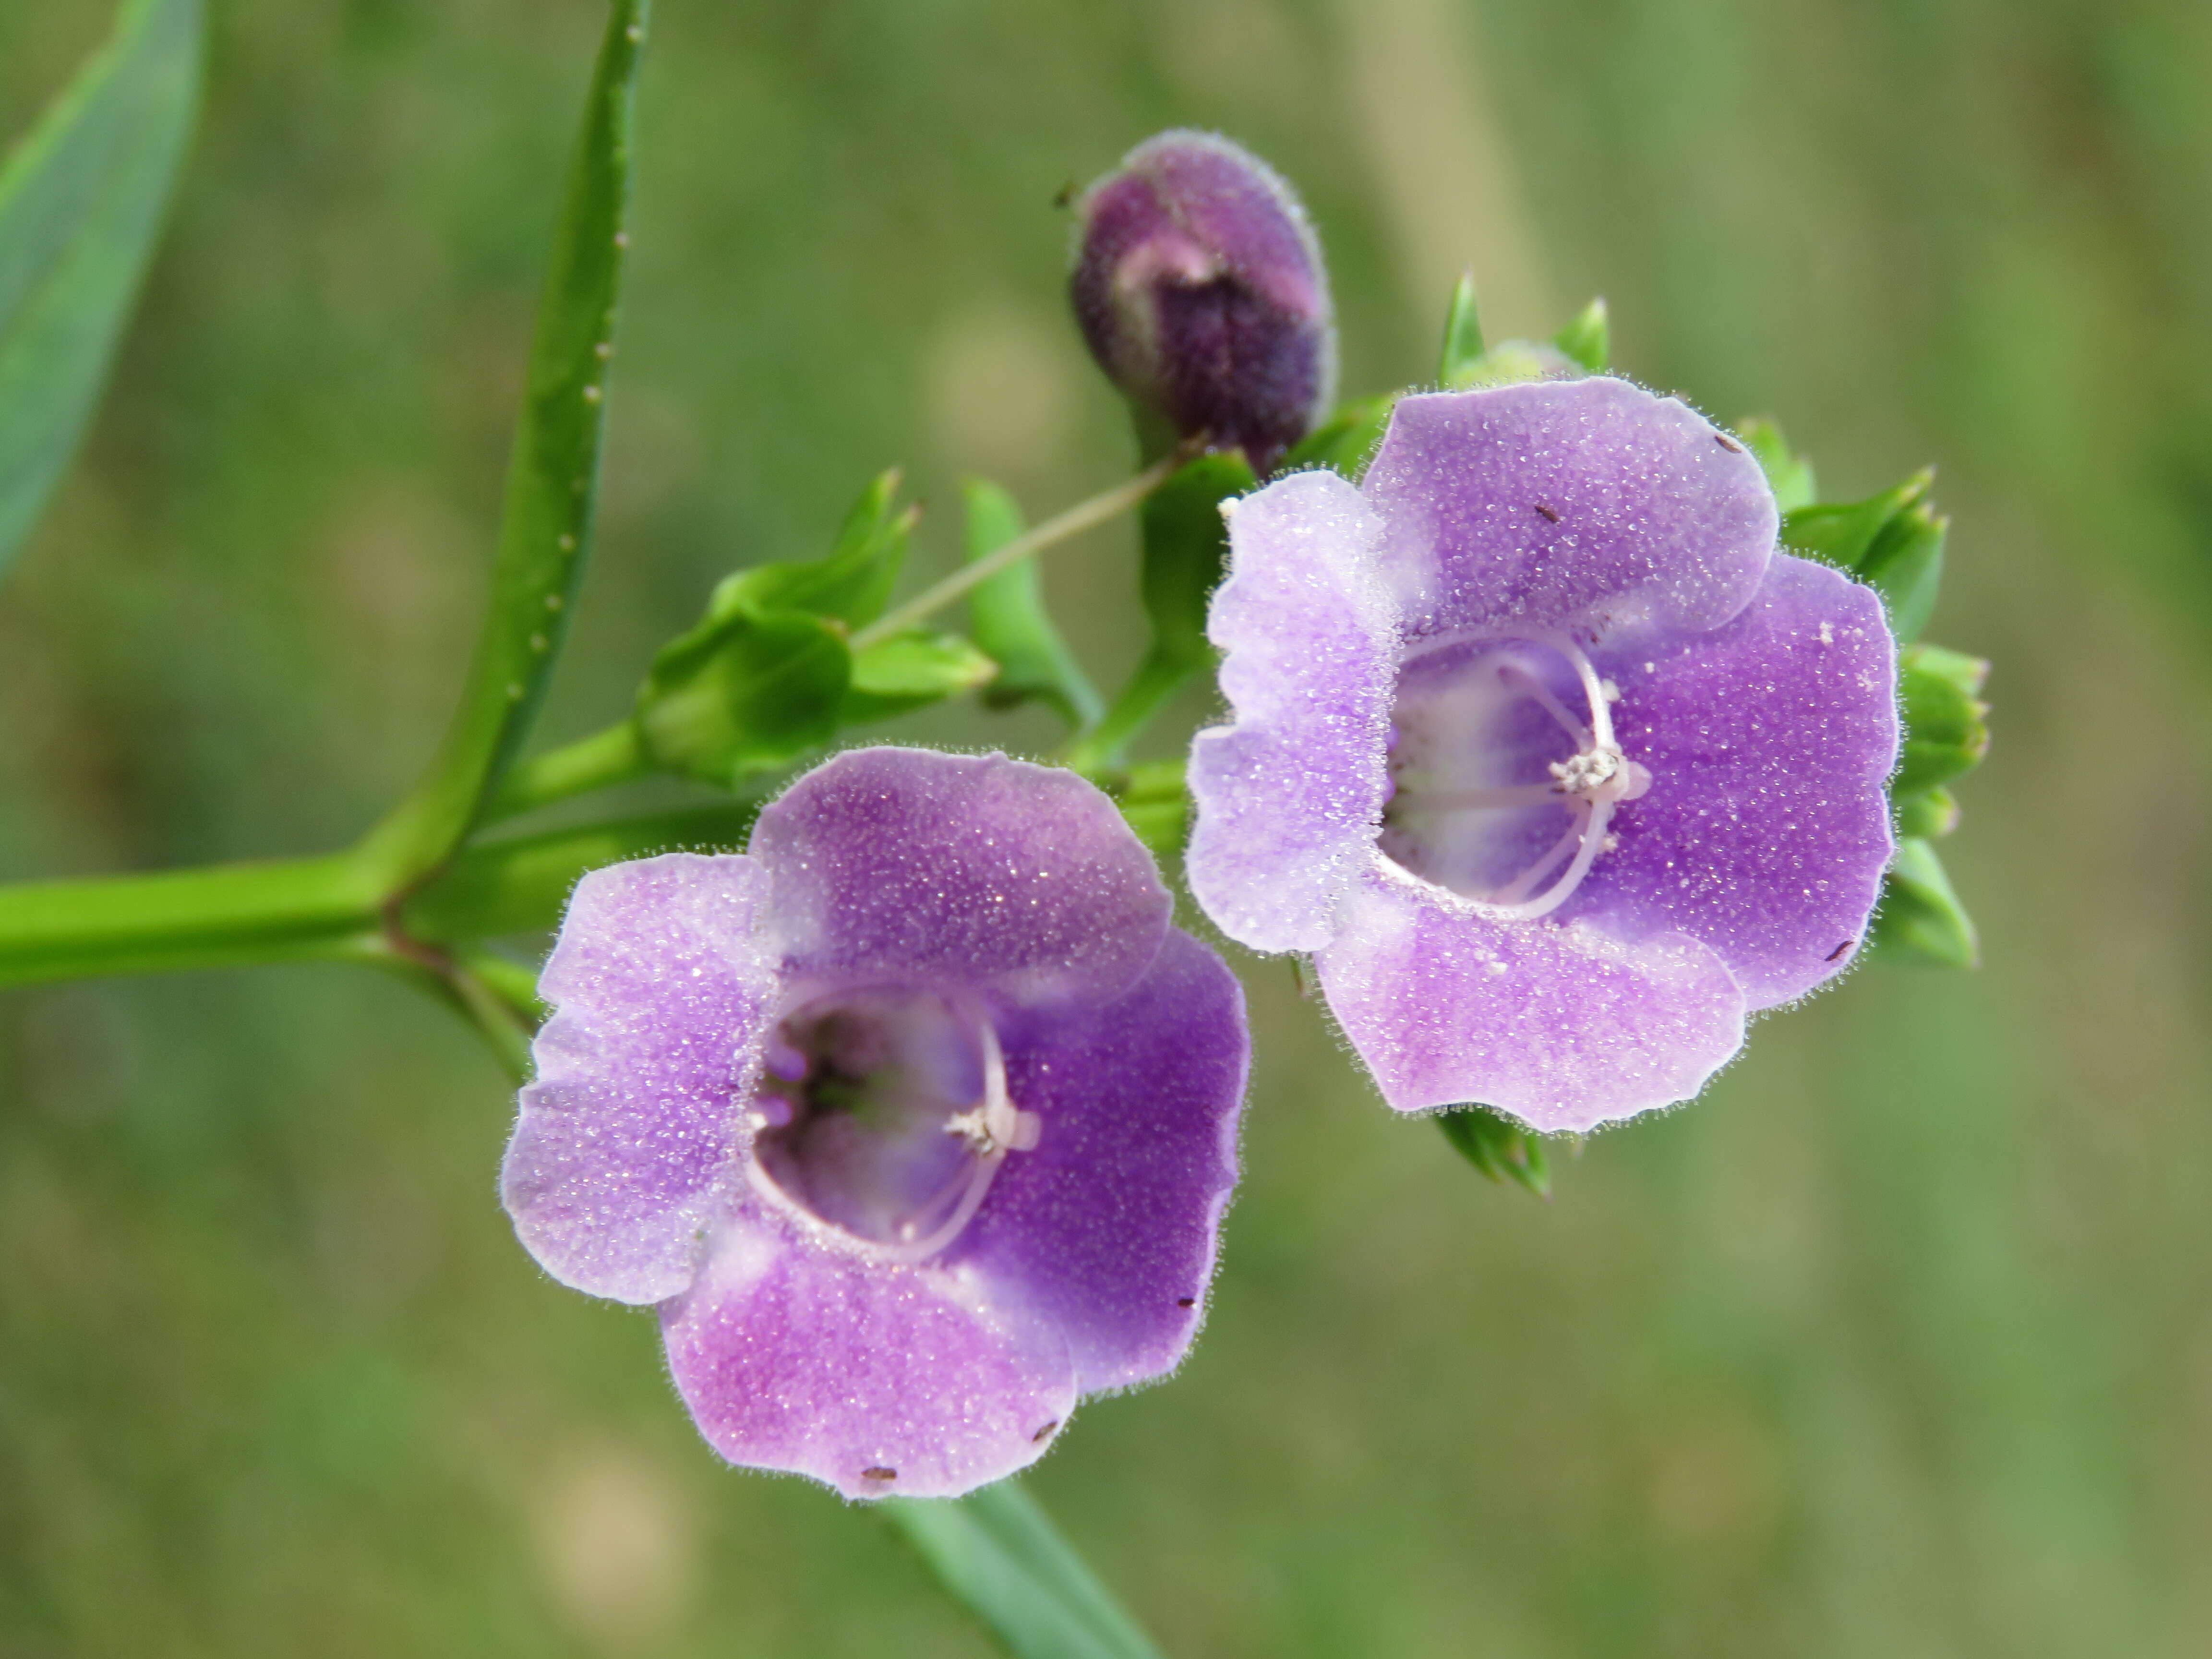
x=852, y=583
x=1155, y=803
x=1008, y=616
x=744, y=692
x=1928, y=816
x=1498, y=1146
x=1787, y=474
x=1893, y=542
x=1921, y=921
x=911, y=670
x=1946, y=722
x=1587, y=340
x=1462, y=347
x=1186, y=540
x=1344, y=442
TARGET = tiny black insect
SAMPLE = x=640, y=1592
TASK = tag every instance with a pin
x=1065, y=194
x=1185, y=1302
x=1838, y=951
x=1733, y=448
x=1550, y=517
x=1045, y=1432
x=879, y=1472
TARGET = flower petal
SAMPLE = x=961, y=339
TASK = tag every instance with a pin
x=975, y=869
x=1108, y=1229
x=1552, y=502
x=872, y=1378
x=1288, y=797
x=1766, y=828
x=1555, y=1023
x=662, y=994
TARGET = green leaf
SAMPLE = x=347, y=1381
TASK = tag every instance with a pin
x=1905, y=565
x=1185, y=541
x=1842, y=533
x=1498, y=1146
x=852, y=583
x=997, y=1552
x=1463, y=348
x=1928, y=816
x=1921, y=921
x=912, y=670
x=1587, y=340
x=552, y=482
x=1789, y=474
x=752, y=690
x=1345, y=442
x=1946, y=722
x=82, y=200
x=1008, y=616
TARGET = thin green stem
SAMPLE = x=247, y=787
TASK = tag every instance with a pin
x=1084, y=515
x=599, y=762
x=1158, y=678
x=218, y=917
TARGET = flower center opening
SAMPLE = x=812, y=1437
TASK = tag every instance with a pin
x=1505, y=771
x=882, y=1113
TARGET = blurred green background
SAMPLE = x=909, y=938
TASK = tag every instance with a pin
x=1900, y=1343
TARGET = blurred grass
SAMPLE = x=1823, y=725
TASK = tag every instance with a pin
x=1897, y=1344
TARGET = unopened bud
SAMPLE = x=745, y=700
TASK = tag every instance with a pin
x=1200, y=287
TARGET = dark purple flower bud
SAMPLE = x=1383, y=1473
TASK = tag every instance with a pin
x=916, y=1119
x=1200, y=287
x=1556, y=766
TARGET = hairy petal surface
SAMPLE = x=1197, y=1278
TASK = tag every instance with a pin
x=1107, y=1229
x=1554, y=1023
x=1766, y=829
x=796, y=1355
x=1289, y=795
x=661, y=996
x=1556, y=502
x=980, y=871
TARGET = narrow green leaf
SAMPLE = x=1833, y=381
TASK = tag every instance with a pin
x=1498, y=1146
x=1007, y=613
x=81, y=199
x=1789, y=474
x=1344, y=442
x=751, y=692
x=1587, y=340
x=852, y=582
x=1905, y=565
x=1842, y=533
x=909, y=670
x=1462, y=334
x=1921, y=921
x=1946, y=723
x=997, y=1552
x=552, y=478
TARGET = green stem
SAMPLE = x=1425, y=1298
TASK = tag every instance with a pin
x=599, y=762
x=1158, y=678
x=218, y=917
x=1084, y=515
x=552, y=482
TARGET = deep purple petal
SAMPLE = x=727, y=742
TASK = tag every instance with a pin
x=1557, y=501
x=662, y=993
x=795, y=1355
x=962, y=870
x=1769, y=740
x=1288, y=797
x=1108, y=1229
x=1555, y=1023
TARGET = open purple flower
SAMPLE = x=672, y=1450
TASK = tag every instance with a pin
x=916, y=1120
x=1556, y=766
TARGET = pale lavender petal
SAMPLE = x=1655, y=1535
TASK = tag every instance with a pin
x=1107, y=1229
x=1765, y=830
x=968, y=870
x=1555, y=1023
x=873, y=1378
x=1552, y=502
x=1289, y=796
x=662, y=994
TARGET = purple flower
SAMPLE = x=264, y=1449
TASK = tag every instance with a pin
x=1200, y=287
x=916, y=1120
x=1555, y=765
